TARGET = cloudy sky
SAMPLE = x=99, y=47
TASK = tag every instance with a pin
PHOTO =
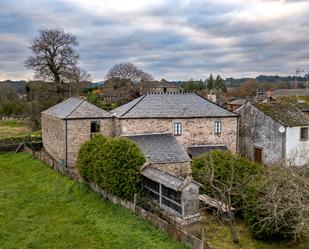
x=172, y=39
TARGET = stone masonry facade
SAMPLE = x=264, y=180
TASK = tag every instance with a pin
x=53, y=130
x=195, y=131
x=79, y=132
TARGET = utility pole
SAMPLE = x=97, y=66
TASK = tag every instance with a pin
x=298, y=71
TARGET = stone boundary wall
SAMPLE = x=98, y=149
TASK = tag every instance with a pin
x=172, y=229
x=8, y=147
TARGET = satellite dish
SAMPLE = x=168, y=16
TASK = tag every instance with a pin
x=281, y=129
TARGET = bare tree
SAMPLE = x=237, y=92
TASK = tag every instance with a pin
x=77, y=75
x=222, y=193
x=54, y=57
x=128, y=71
x=283, y=204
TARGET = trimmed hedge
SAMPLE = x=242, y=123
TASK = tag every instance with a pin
x=113, y=163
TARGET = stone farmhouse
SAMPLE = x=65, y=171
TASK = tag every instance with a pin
x=168, y=128
x=147, y=86
x=274, y=133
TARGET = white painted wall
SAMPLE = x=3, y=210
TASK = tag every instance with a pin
x=297, y=151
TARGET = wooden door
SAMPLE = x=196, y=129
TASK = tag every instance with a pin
x=258, y=155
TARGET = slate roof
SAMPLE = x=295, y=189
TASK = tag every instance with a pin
x=287, y=114
x=74, y=108
x=291, y=92
x=238, y=102
x=170, y=181
x=160, y=148
x=201, y=149
x=171, y=105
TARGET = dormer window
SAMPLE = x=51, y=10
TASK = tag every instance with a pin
x=217, y=128
x=177, y=129
x=304, y=133
x=94, y=128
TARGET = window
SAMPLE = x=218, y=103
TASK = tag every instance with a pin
x=152, y=188
x=171, y=199
x=304, y=133
x=162, y=194
x=217, y=127
x=94, y=127
x=177, y=129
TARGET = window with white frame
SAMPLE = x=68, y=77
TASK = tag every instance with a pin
x=217, y=128
x=177, y=129
x=94, y=127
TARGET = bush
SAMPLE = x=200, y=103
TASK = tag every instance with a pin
x=223, y=163
x=88, y=156
x=274, y=201
x=114, y=164
x=279, y=205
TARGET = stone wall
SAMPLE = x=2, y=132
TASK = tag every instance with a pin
x=256, y=130
x=195, y=131
x=190, y=197
x=53, y=136
x=78, y=132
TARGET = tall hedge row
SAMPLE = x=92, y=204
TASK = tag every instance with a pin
x=113, y=163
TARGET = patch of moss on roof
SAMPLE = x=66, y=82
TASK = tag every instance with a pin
x=287, y=114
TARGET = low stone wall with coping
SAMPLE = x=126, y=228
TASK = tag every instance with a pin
x=169, y=227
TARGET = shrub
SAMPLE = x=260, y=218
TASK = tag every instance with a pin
x=279, y=205
x=114, y=164
x=88, y=156
x=223, y=164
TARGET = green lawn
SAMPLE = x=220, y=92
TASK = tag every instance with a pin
x=15, y=129
x=39, y=208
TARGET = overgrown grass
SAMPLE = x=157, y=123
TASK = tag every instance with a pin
x=15, y=129
x=219, y=237
x=39, y=208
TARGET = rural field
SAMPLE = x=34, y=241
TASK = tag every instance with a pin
x=39, y=208
x=15, y=129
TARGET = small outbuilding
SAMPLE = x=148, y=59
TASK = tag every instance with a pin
x=69, y=124
x=166, y=174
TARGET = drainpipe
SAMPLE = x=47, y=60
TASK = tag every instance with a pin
x=66, y=144
x=237, y=136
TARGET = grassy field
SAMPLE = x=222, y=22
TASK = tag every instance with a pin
x=14, y=129
x=219, y=237
x=39, y=208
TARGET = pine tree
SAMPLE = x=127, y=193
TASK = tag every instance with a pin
x=219, y=84
x=210, y=82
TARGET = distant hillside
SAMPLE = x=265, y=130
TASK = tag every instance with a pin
x=19, y=85
x=231, y=82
